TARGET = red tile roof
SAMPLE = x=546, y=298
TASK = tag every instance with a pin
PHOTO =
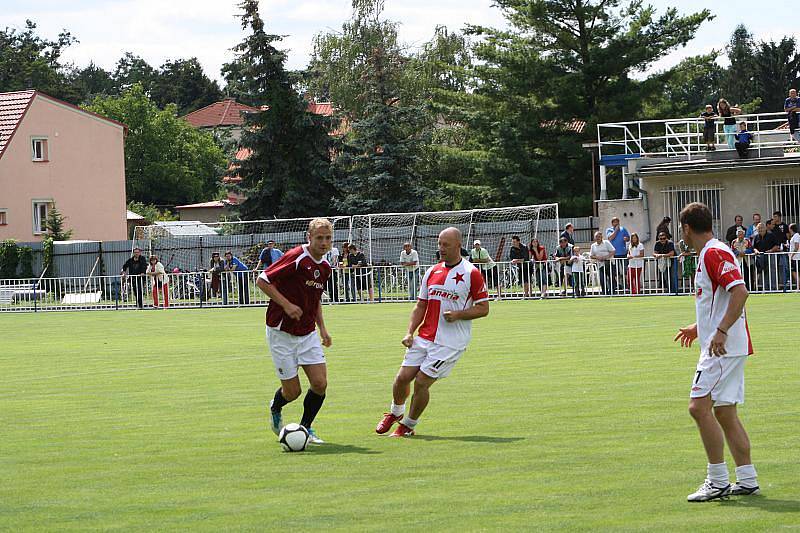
x=12, y=108
x=321, y=108
x=228, y=112
x=575, y=125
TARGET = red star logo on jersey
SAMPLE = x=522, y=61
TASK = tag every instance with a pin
x=459, y=277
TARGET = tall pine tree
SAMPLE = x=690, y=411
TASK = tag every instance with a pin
x=288, y=170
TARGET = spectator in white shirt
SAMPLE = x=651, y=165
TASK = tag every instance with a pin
x=794, y=257
x=601, y=253
x=409, y=259
x=158, y=277
x=635, y=264
x=578, y=273
x=331, y=285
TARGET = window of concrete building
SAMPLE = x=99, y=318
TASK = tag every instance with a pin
x=784, y=196
x=677, y=196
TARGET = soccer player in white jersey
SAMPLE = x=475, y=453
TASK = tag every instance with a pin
x=718, y=382
x=452, y=293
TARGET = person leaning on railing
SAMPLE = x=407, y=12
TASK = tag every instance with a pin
x=601, y=253
x=136, y=266
x=664, y=253
x=729, y=123
x=741, y=250
x=539, y=257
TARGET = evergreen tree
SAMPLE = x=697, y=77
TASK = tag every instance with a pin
x=777, y=66
x=288, y=170
x=182, y=82
x=56, y=225
x=740, y=84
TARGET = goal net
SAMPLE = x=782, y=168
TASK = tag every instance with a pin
x=189, y=245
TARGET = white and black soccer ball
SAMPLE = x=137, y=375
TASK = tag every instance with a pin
x=293, y=438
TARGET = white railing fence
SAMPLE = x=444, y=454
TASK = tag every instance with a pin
x=763, y=273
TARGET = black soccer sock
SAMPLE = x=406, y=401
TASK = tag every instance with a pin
x=311, y=406
x=279, y=401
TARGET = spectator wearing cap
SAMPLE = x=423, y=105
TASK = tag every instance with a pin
x=480, y=256
x=268, y=255
x=519, y=256
x=409, y=260
x=569, y=233
x=618, y=236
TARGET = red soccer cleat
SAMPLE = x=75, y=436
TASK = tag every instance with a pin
x=386, y=423
x=403, y=431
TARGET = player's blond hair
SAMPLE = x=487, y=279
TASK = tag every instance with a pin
x=319, y=223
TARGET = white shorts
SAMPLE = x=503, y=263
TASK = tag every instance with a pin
x=722, y=378
x=290, y=351
x=433, y=359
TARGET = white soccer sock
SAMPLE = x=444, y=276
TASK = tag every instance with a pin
x=398, y=410
x=746, y=476
x=409, y=422
x=718, y=474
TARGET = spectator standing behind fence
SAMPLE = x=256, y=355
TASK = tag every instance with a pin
x=688, y=260
x=743, y=140
x=136, y=267
x=782, y=234
x=569, y=233
x=765, y=245
x=519, y=256
x=635, y=264
x=792, y=105
x=664, y=252
x=480, y=256
x=332, y=257
x=346, y=273
x=618, y=236
x=563, y=255
x=361, y=274
x=709, y=127
x=158, y=279
x=663, y=227
x=235, y=265
x=740, y=246
x=738, y=223
x=578, y=273
x=601, y=253
x=729, y=123
x=217, y=266
x=268, y=255
x=539, y=258
x=409, y=259
x=794, y=255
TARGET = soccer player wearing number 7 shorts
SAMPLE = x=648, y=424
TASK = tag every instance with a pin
x=718, y=384
x=452, y=293
x=294, y=284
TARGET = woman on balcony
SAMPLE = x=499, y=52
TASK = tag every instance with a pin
x=729, y=125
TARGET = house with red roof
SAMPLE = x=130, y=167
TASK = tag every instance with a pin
x=54, y=153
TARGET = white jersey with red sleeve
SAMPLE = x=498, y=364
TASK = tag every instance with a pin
x=452, y=288
x=717, y=273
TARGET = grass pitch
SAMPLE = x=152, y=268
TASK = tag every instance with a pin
x=562, y=415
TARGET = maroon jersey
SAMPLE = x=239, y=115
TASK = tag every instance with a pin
x=301, y=279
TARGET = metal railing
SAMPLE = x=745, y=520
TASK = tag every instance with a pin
x=683, y=137
x=763, y=273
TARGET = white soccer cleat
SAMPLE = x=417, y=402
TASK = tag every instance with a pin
x=738, y=490
x=313, y=438
x=708, y=492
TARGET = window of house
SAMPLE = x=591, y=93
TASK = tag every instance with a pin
x=41, y=209
x=677, y=196
x=784, y=196
x=39, y=149
x=3, y=217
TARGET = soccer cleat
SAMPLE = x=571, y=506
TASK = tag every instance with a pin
x=708, y=492
x=738, y=490
x=313, y=438
x=386, y=423
x=403, y=431
x=276, y=420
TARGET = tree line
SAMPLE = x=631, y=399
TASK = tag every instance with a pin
x=475, y=118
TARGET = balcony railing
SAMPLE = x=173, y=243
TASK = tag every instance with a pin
x=683, y=137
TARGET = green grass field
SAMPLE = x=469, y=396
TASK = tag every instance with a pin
x=563, y=415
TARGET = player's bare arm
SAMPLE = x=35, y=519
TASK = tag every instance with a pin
x=323, y=331
x=739, y=296
x=417, y=316
x=687, y=335
x=479, y=310
x=292, y=311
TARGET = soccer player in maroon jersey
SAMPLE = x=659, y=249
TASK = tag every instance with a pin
x=452, y=293
x=294, y=284
x=718, y=384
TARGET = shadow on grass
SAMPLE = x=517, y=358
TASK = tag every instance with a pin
x=471, y=438
x=330, y=448
x=763, y=502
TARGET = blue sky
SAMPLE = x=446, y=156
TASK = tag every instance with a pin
x=168, y=29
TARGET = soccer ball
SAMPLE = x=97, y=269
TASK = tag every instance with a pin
x=293, y=438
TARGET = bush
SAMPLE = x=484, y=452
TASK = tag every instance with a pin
x=25, y=255
x=9, y=258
